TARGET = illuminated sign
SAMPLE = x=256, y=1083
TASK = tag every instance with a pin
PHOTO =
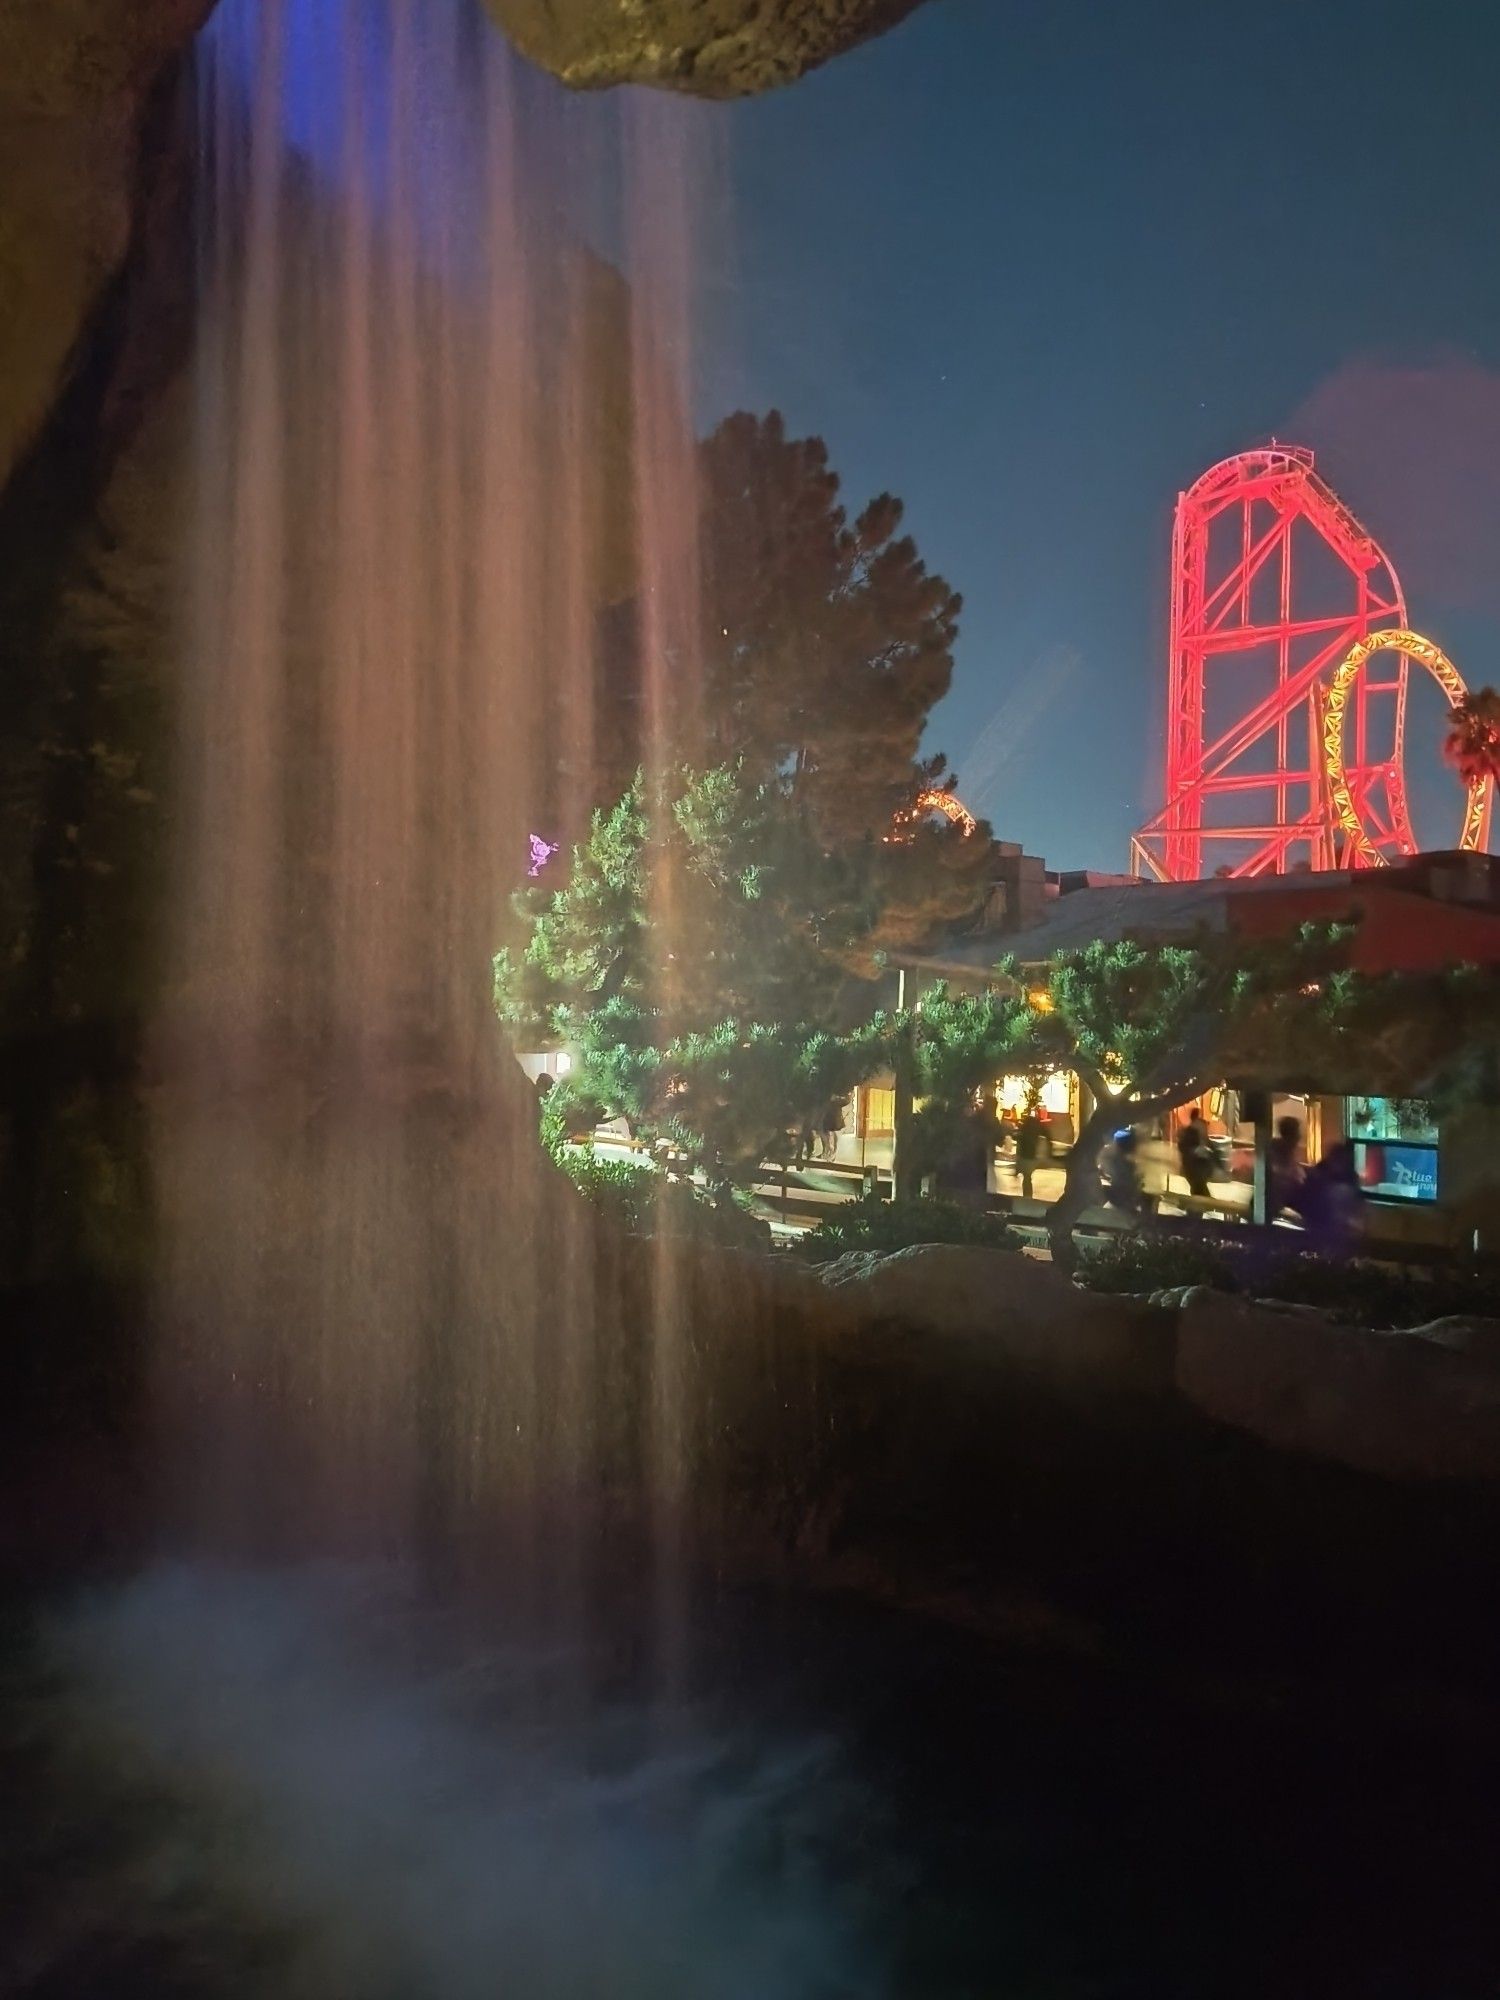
x=1397, y=1172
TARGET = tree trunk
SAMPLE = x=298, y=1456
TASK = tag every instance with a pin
x=1081, y=1187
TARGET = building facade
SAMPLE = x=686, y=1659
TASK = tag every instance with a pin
x=1427, y=1180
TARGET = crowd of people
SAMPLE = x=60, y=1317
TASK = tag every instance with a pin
x=1326, y=1199
x=819, y=1138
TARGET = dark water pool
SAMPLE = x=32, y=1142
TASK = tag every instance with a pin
x=328, y=1783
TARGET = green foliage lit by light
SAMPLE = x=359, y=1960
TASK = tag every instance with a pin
x=695, y=963
x=884, y=1226
x=643, y=1201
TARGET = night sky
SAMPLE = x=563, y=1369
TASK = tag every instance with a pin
x=1035, y=264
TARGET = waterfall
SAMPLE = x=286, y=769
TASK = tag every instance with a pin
x=436, y=435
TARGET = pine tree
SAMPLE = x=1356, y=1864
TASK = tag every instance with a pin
x=700, y=900
x=823, y=647
x=695, y=961
x=826, y=643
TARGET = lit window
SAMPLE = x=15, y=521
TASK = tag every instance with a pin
x=1395, y=1146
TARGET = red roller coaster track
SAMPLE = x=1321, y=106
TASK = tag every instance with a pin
x=1273, y=581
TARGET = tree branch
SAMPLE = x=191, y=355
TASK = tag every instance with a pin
x=1166, y=1097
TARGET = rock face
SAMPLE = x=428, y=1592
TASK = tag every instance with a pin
x=710, y=48
x=1423, y=1404
x=75, y=80
x=1025, y=1313
x=87, y=524
x=76, y=77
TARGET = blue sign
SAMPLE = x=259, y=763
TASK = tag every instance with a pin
x=1408, y=1172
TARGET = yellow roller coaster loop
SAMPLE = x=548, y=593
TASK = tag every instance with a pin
x=948, y=804
x=1424, y=654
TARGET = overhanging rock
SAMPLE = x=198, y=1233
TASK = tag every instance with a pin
x=709, y=48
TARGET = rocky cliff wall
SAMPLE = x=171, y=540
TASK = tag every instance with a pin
x=76, y=81
x=711, y=48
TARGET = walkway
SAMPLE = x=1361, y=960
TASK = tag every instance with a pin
x=813, y=1191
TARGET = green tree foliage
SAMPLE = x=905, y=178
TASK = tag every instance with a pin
x=1433, y=1035
x=952, y=1047
x=737, y=1094
x=695, y=962
x=1146, y=1028
x=727, y=1099
x=826, y=642
x=1149, y=1027
x=691, y=903
x=872, y=1223
x=934, y=879
x=643, y=1201
x=962, y=1041
x=585, y=943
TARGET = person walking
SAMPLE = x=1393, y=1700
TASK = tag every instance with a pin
x=1028, y=1148
x=1123, y=1186
x=1284, y=1169
x=1195, y=1154
x=1332, y=1201
x=833, y=1125
x=965, y=1176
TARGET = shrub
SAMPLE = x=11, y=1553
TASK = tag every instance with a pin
x=1145, y=1263
x=570, y=1112
x=1367, y=1294
x=873, y=1224
x=682, y=1210
x=624, y=1189
x=1354, y=1290
x=642, y=1200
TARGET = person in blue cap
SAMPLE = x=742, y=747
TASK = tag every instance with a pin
x=1123, y=1187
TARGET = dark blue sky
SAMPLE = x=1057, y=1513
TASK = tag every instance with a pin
x=1034, y=264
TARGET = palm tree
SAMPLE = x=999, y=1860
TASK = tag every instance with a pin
x=1472, y=745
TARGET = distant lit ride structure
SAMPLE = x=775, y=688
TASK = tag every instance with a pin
x=1474, y=832
x=947, y=804
x=1289, y=656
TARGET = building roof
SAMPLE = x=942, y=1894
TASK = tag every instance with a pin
x=1411, y=918
x=1149, y=911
